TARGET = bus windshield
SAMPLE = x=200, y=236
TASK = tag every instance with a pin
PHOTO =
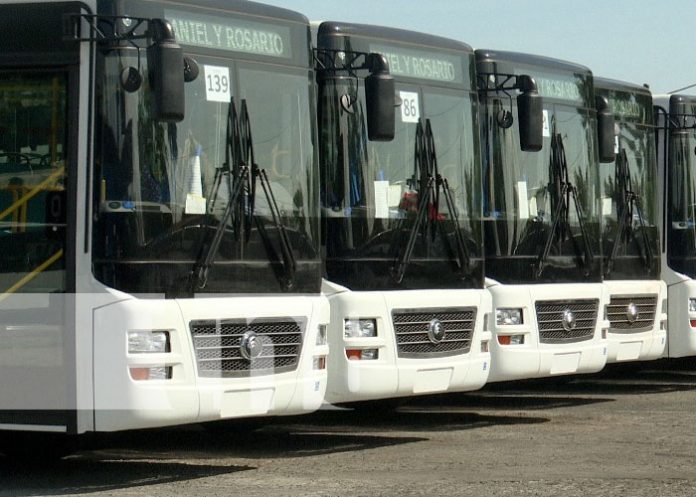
x=681, y=222
x=374, y=190
x=162, y=188
x=629, y=199
x=527, y=194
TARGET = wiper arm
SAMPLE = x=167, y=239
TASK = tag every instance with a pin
x=237, y=174
x=431, y=184
x=286, y=250
x=630, y=201
x=560, y=229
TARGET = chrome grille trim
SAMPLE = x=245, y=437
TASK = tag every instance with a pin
x=411, y=331
x=616, y=313
x=217, y=346
x=549, y=316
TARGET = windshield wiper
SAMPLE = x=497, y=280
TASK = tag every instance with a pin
x=628, y=201
x=431, y=185
x=242, y=171
x=563, y=190
x=237, y=174
x=286, y=251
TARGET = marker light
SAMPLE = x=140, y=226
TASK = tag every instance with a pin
x=148, y=342
x=319, y=363
x=360, y=328
x=506, y=317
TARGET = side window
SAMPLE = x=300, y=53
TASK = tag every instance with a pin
x=32, y=182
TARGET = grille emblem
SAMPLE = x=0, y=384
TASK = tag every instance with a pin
x=436, y=331
x=250, y=345
x=632, y=313
x=568, y=319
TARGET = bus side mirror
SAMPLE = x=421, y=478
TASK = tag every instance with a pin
x=379, y=100
x=530, y=114
x=165, y=60
x=605, y=130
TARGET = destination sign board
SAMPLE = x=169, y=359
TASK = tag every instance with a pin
x=226, y=33
x=421, y=64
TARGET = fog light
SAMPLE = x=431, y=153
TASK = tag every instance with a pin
x=508, y=317
x=155, y=373
x=369, y=354
x=484, y=346
x=148, y=342
x=359, y=328
x=321, y=335
x=319, y=363
x=362, y=354
x=511, y=339
x=605, y=332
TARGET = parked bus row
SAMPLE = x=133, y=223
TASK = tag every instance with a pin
x=214, y=210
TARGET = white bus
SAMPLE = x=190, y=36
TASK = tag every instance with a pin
x=676, y=152
x=542, y=220
x=402, y=239
x=637, y=309
x=159, y=215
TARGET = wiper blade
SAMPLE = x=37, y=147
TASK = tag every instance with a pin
x=431, y=184
x=237, y=174
x=629, y=202
x=564, y=190
x=286, y=250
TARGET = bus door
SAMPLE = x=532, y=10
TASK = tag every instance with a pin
x=36, y=289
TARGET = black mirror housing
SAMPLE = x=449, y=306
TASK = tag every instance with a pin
x=605, y=130
x=530, y=114
x=165, y=60
x=379, y=101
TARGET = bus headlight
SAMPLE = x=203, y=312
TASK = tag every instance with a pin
x=148, y=342
x=359, y=328
x=692, y=305
x=507, y=317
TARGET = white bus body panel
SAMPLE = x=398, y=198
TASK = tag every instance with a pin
x=533, y=359
x=390, y=376
x=123, y=403
x=645, y=345
x=681, y=336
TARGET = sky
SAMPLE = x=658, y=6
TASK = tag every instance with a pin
x=639, y=41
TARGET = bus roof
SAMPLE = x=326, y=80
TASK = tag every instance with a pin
x=334, y=28
x=242, y=7
x=497, y=56
x=617, y=85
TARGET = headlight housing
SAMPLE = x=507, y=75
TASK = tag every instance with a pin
x=148, y=342
x=692, y=305
x=508, y=317
x=359, y=328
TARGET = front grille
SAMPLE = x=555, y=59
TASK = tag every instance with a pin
x=550, y=320
x=622, y=320
x=218, y=342
x=413, y=339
